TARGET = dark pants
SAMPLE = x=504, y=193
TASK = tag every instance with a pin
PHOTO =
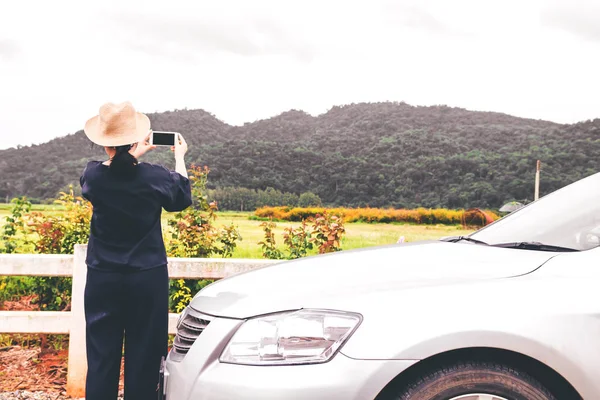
x=133, y=306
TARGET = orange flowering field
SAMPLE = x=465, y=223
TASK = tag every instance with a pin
x=380, y=215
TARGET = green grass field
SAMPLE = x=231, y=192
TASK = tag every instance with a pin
x=358, y=235
x=5, y=208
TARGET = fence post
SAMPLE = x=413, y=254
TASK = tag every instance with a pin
x=77, y=364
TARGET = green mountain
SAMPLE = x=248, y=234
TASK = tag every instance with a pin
x=368, y=154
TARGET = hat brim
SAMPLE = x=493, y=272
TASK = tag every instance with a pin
x=95, y=134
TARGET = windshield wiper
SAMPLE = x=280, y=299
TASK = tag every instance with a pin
x=534, y=246
x=454, y=239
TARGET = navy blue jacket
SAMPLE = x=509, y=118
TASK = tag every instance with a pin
x=126, y=229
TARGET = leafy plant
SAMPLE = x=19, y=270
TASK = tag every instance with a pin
x=269, y=246
x=76, y=222
x=228, y=237
x=53, y=294
x=328, y=231
x=181, y=295
x=53, y=234
x=15, y=223
x=325, y=233
x=298, y=241
x=15, y=287
x=58, y=234
x=193, y=234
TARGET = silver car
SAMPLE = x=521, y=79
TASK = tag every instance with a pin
x=511, y=312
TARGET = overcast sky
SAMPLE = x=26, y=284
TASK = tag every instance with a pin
x=251, y=59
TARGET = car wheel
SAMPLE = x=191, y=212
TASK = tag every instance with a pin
x=475, y=381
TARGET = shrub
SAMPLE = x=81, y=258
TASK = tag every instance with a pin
x=309, y=199
x=193, y=234
x=325, y=233
x=371, y=215
x=15, y=223
x=180, y=296
x=269, y=246
x=58, y=234
x=328, y=231
x=50, y=234
x=298, y=241
x=14, y=287
x=475, y=217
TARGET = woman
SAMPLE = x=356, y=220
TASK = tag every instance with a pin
x=127, y=289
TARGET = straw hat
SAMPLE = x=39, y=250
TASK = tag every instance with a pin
x=117, y=125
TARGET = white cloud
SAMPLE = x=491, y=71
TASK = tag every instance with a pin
x=244, y=61
x=577, y=17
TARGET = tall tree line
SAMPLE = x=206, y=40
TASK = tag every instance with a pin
x=369, y=154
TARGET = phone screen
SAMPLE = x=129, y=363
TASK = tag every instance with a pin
x=163, y=139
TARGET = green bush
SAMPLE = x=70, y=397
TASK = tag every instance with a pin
x=309, y=199
x=325, y=233
x=193, y=234
x=50, y=235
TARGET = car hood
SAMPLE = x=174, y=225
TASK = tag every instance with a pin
x=327, y=281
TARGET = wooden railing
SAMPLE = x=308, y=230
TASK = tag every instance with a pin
x=73, y=322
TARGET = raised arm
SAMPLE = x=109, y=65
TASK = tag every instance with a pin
x=180, y=149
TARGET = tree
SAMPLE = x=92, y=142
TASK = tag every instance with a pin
x=377, y=154
x=309, y=199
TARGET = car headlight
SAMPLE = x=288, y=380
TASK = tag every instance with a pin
x=298, y=337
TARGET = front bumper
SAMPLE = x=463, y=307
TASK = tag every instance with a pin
x=201, y=376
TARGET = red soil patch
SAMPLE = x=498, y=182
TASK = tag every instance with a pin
x=25, y=303
x=35, y=368
x=32, y=370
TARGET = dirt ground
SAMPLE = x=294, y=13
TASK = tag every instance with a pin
x=34, y=370
x=37, y=368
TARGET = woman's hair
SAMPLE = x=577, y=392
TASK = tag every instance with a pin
x=123, y=163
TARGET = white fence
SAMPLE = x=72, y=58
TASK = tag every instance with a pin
x=73, y=322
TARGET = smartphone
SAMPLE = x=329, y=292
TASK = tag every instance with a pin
x=160, y=138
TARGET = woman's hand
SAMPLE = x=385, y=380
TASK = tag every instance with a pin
x=142, y=147
x=180, y=147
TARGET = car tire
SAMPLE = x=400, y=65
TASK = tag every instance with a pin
x=475, y=378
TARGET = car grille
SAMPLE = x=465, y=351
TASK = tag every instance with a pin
x=191, y=324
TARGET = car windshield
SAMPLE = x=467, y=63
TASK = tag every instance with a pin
x=567, y=218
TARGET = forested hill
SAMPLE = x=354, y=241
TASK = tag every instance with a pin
x=375, y=154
